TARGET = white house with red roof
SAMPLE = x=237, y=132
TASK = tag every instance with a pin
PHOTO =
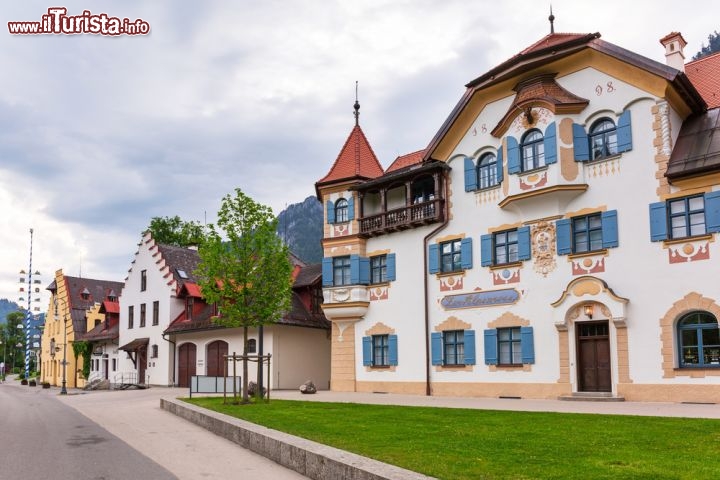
x=557, y=238
x=168, y=334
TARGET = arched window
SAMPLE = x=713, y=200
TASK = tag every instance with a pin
x=487, y=171
x=532, y=150
x=341, y=211
x=603, y=139
x=699, y=340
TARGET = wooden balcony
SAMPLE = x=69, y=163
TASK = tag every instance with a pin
x=404, y=218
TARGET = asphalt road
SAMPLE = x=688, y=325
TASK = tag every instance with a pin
x=41, y=437
x=108, y=435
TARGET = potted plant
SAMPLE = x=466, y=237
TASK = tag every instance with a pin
x=46, y=384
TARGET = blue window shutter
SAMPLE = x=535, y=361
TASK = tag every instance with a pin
x=491, y=356
x=367, y=351
x=327, y=272
x=513, y=159
x=527, y=345
x=390, y=267
x=581, y=146
x=436, y=348
x=351, y=208
x=712, y=212
x=354, y=269
x=469, y=345
x=550, y=141
x=434, y=258
x=392, y=350
x=330, y=212
x=564, y=236
x=470, y=175
x=466, y=253
x=609, y=229
x=486, y=250
x=658, y=221
x=523, y=243
x=500, y=164
x=624, y=132
x=364, y=271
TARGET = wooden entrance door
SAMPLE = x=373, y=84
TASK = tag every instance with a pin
x=215, y=361
x=186, y=363
x=593, y=344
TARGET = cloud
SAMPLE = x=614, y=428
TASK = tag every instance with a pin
x=100, y=134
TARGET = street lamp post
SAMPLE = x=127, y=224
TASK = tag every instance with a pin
x=63, y=389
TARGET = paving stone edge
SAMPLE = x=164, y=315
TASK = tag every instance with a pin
x=312, y=459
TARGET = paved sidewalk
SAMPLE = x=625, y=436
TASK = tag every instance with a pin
x=188, y=451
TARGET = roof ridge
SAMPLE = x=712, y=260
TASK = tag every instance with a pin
x=706, y=57
x=411, y=153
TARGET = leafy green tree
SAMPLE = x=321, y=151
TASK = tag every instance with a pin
x=245, y=269
x=11, y=337
x=176, y=231
x=712, y=46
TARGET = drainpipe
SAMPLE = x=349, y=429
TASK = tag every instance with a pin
x=446, y=220
x=173, y=357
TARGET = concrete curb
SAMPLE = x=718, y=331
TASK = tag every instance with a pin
x=312, y=459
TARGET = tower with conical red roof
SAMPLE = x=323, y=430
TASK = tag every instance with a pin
x=344, y=262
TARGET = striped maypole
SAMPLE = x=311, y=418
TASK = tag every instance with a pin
x=28, y=317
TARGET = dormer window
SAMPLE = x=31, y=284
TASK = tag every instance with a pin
x=182, y=274
x=532, y=150
x=603, y=139
x=341, y=211
x=85, y=294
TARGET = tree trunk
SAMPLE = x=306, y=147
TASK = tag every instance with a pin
x=245, y=398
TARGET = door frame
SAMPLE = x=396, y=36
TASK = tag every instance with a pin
x=579, y=357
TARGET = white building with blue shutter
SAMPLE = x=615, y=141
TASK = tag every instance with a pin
x=557, y=237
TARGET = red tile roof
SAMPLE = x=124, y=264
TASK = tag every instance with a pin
x=705, y=76
x=552, y=40
x=406, y=161
x=356, y=160
x=193, y=290
x=110, y=307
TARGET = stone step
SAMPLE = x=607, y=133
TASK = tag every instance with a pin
x=591, y=397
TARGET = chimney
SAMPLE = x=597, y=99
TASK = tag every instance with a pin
x=674, y=44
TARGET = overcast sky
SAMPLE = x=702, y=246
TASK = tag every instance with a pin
x=99, y=134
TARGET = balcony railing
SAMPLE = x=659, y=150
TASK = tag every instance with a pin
x=403, y=218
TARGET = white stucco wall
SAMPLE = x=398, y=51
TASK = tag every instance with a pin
x=638, y=269
x=158, y=371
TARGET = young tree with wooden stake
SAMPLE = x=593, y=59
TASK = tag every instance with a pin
x=245, y=269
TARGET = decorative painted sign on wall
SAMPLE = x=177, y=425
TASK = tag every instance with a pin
x=490, y=298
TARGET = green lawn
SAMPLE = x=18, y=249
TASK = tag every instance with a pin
x=481, y=444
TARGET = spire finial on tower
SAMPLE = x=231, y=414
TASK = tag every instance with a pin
x=357, y=105
x=552, y=19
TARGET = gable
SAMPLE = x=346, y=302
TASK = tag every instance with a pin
x=654, y=82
